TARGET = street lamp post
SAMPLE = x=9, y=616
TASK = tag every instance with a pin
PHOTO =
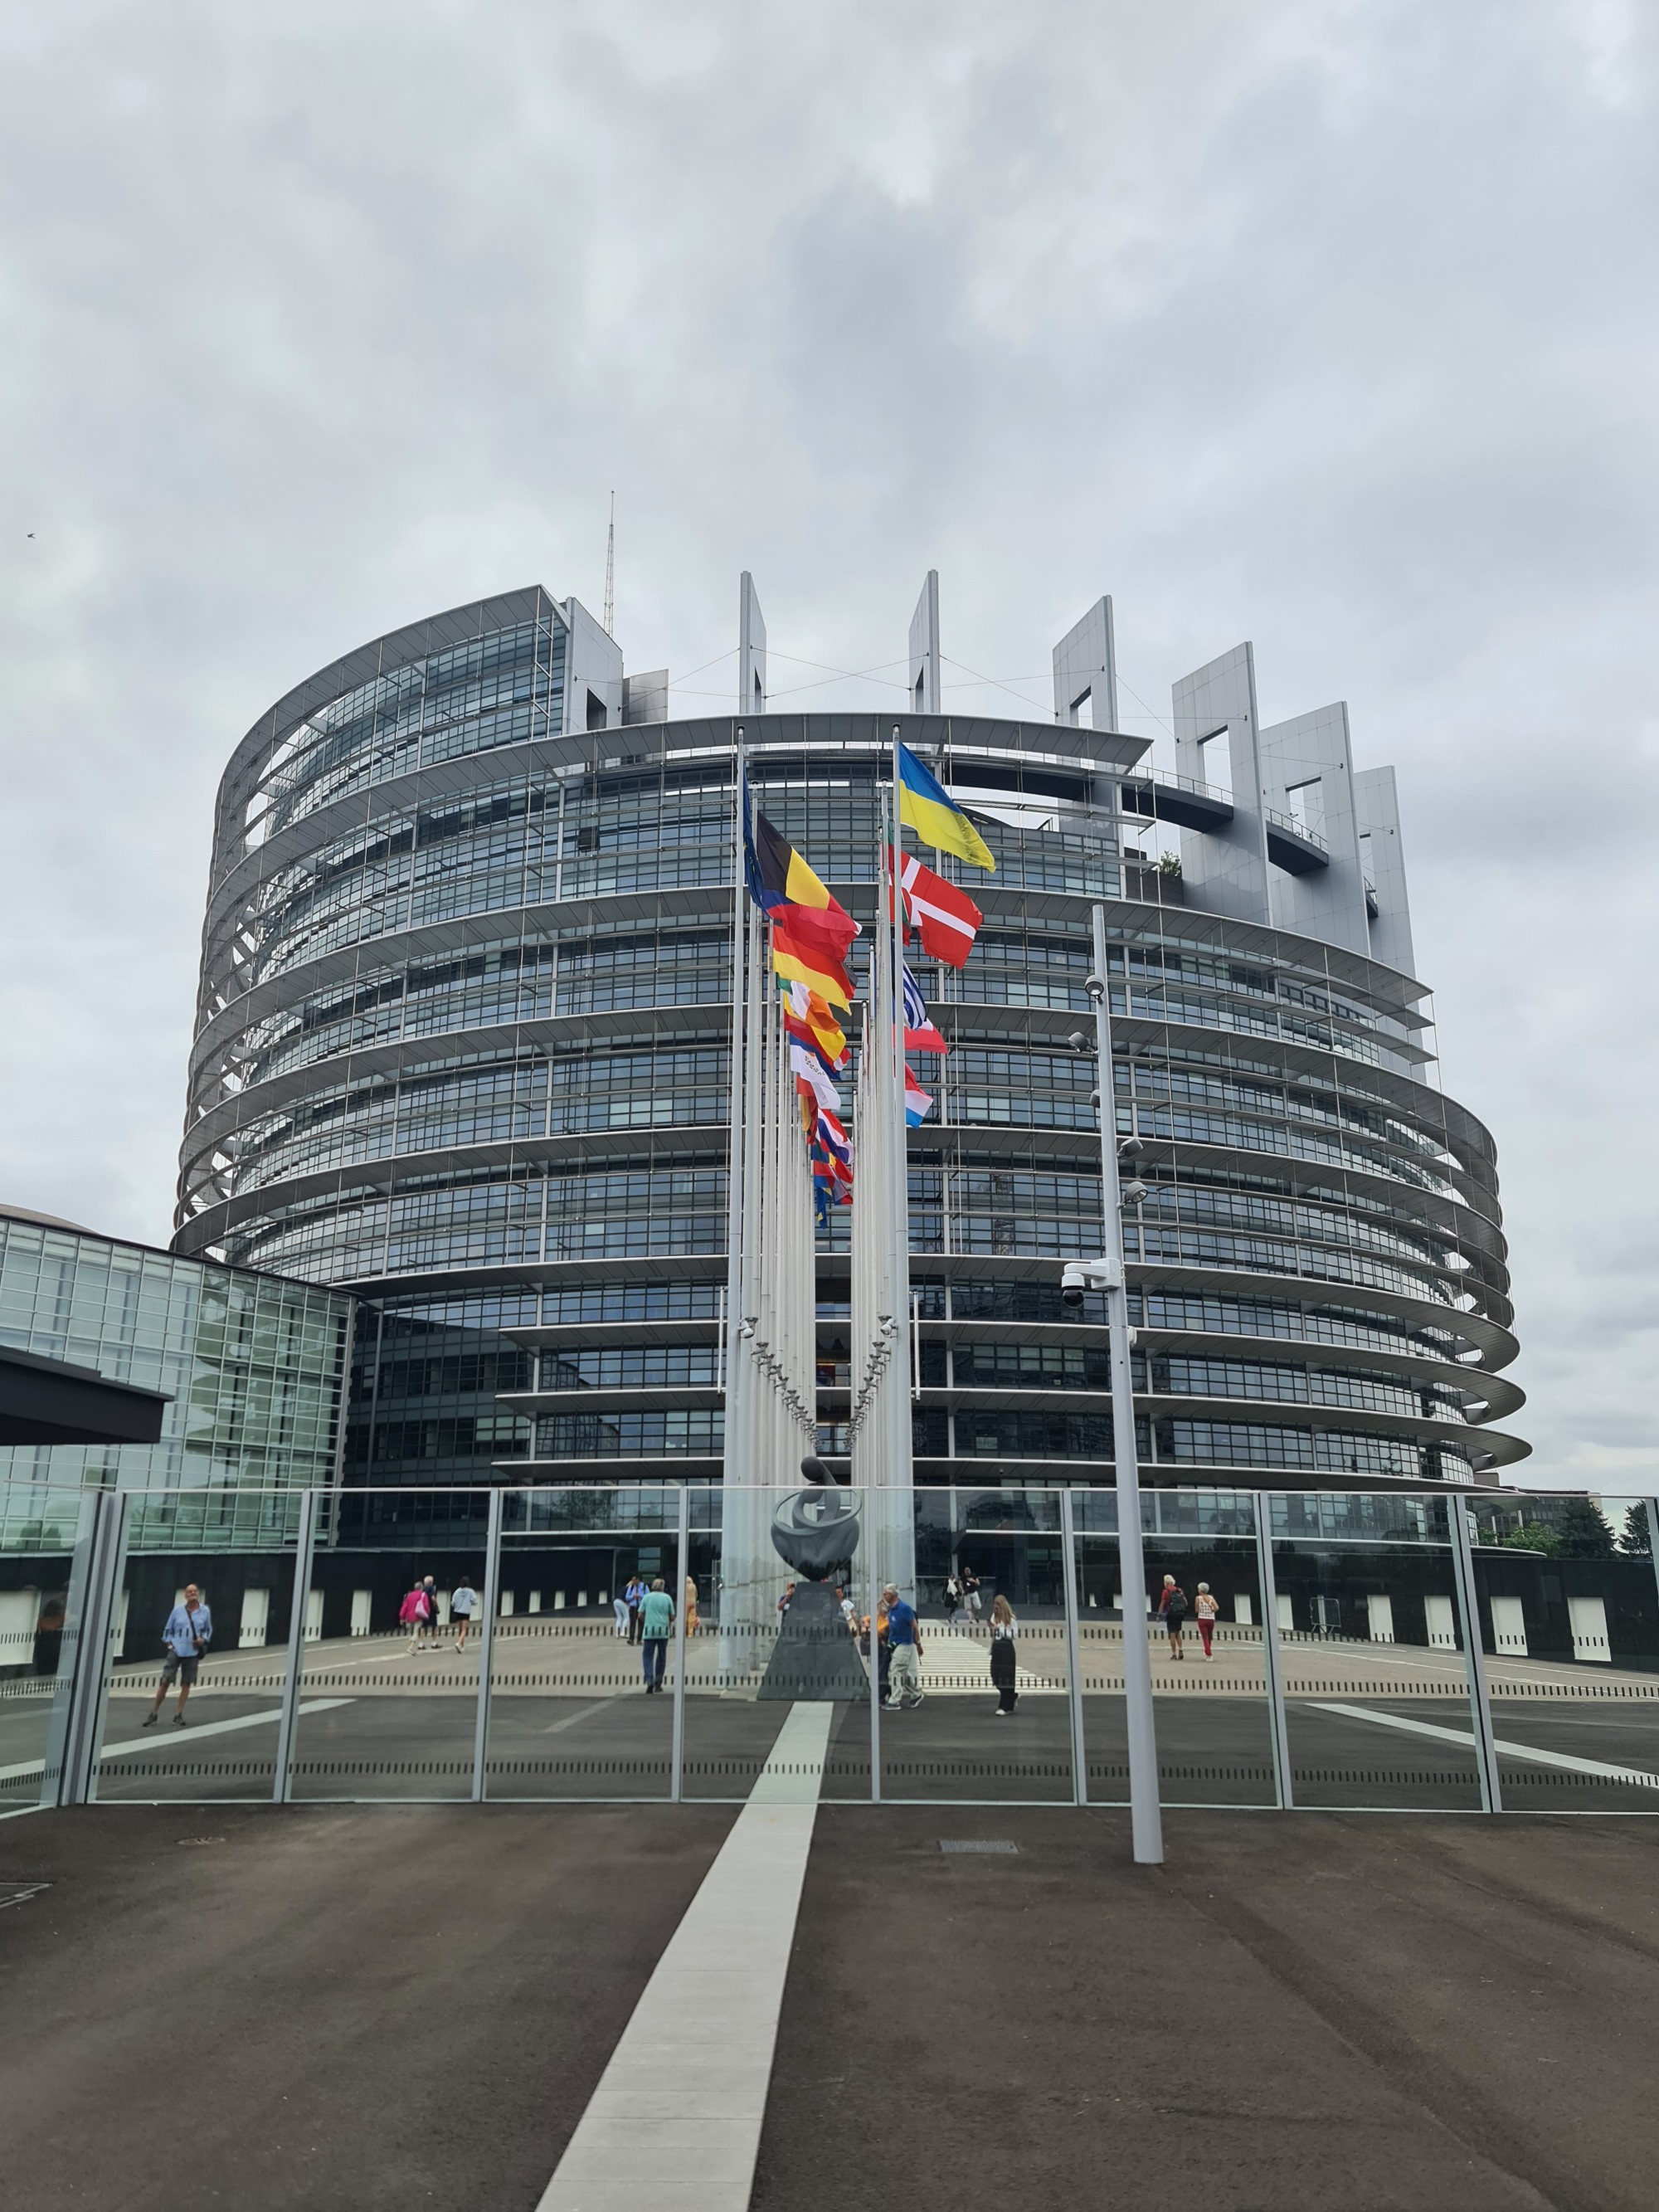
x=1146, y=1818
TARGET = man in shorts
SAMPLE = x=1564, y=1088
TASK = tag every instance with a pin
x=186, y=1637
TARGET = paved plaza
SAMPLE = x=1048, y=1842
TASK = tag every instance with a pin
x=1341, y=2012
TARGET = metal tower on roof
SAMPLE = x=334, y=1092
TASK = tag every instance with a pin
x=610, y=572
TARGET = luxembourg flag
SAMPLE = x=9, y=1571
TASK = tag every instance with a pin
x=918, y=1102
x=919, y=1035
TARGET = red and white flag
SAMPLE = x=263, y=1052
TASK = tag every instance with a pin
x=943, y=917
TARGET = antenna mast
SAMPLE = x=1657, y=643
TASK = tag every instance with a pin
x=610, y=573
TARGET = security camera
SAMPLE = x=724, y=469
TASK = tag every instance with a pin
x=1095, y=986
x=1128, y=1146
x=1078, y=1276
x=1094, y=1098
x=1078, y=1042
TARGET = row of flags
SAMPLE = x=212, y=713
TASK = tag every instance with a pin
x=812, y=934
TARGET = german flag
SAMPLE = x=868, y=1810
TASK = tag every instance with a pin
x=797, y=958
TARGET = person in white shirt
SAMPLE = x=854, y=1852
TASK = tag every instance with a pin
x=462, y=1601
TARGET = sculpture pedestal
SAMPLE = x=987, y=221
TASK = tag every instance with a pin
x=815, y=1658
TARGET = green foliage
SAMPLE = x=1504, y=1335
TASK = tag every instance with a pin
x=1532, y=1538
x=1636, y=1538
x=1169, y=864
x=1584, y=1532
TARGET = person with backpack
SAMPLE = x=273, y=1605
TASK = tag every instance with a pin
x=185, y=1638
x=1172, y=1611
x=414, y=1612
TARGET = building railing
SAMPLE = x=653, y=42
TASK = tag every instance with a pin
x=1338, y=1648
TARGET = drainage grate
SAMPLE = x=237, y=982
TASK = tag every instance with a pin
x=1006, y=1850
x=19, y=1892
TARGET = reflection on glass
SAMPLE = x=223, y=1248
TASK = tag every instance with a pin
x=966, y=1739
x=1377, y=1693
x=1200, y=1612
x=1569, y=1625
x=199, y=1656
x=42, y=1573
x=388, y=1693
x=570, y=1714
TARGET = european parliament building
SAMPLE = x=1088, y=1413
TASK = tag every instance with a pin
x=463, y=1047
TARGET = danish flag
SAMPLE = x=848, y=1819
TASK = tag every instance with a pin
x=946, y=919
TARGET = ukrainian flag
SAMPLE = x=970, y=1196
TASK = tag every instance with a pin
x=934, y=816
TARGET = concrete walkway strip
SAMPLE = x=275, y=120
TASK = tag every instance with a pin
x=684, y=2094
x=1640, y=1777
x=166, y=1733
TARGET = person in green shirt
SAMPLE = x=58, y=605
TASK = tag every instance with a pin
x=656, y=1619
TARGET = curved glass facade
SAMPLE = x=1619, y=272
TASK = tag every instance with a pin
x=463, y=1046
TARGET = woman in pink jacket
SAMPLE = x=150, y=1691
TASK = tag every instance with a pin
x=415, y=1613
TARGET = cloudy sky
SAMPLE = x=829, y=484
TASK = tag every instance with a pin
x=1331, y=325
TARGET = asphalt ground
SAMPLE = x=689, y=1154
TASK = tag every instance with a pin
x=320, y=2008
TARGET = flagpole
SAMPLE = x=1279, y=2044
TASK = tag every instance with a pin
x=901, y=1478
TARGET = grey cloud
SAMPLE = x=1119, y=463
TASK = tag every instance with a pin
x=1331, y=326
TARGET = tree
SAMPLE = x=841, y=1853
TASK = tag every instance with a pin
x=1637, y=1538
x=1534, y=1538
x=1583, y=1531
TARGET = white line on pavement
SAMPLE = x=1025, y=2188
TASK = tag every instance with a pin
x=684, y=2094
x=1639, y=1776
x=191, y=1733
x=586, y=1713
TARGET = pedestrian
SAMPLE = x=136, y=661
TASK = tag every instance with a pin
x=619, y=1606
x=1172, y=1611
x=431, y=1589
x=1004, y=1631
x=848, y=1611
x=956, y=1605
x=462, y=1602
x=1206, y=1610
x=904, y=1640
x=970, y=1594
x=636, y=1595
x=188, y=1632
x=690, y=1607
x=786, y=1602
x=414, y=1612
x=656, y=1619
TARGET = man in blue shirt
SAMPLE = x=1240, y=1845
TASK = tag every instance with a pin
x=904, y=1641
x=656, y=1623
x=186, y=1637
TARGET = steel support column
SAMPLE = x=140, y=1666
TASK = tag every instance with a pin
x=1073, y=1651
x=492, y=1578
x=1278, y=1726
x=1474, y=1658
x=305, y=1547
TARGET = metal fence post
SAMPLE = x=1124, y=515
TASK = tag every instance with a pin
x=92, y=1657
x=873, y=1530
x=682, y=1554
x=1278, y=1724
x=1073, y=1651
x=287, y=1720
x=492, y=1578
x=1474, y=1658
